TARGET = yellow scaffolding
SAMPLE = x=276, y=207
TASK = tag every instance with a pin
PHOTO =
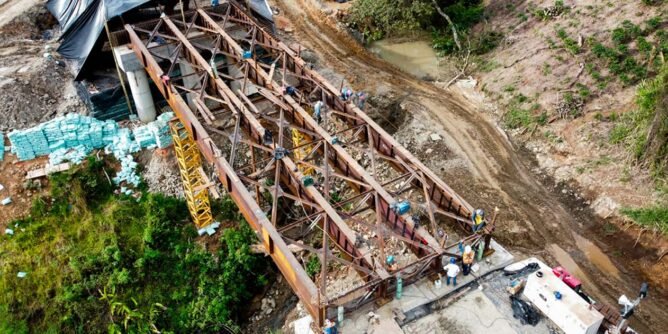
x=194, y=185
x=301, y=152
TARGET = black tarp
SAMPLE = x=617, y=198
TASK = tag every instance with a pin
x=83, y=21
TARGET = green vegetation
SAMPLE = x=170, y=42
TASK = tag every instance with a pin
x=313, y=265
x=377, y=19
x=97, y=262
x=652, y=217
x=632, y=56
x=645, y=130
x=569, y=44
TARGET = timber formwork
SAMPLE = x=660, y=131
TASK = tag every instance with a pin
x=337, y=192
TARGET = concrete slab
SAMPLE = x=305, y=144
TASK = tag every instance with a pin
x=473, y=313
x=384, y=326
x=424, y=292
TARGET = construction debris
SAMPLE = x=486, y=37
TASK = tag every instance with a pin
x=209, y=229
x=6, y=201
x=128, y=172
x=46, y=170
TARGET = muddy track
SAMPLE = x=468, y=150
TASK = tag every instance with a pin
x=539, y=218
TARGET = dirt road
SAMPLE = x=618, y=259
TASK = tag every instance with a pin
x=539, y=217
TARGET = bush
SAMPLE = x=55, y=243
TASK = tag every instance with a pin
x=517, y=117
x=97, y=262
x=377, y=19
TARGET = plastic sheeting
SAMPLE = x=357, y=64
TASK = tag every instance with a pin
x=67, y=11
x=261, y=7
x=82, y=22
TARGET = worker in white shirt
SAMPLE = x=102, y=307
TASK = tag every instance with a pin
x=451, y=270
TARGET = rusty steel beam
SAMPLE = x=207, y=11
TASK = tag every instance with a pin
x=344, y=235
x=339, y=231
x=440, y=193
x=339, y=157
x=276, y=247
x=208, y=89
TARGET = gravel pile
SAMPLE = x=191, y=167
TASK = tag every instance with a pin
x=162, y=174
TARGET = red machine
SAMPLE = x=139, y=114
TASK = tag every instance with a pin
x=569, y=279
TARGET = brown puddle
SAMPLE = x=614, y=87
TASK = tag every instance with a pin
x=596, y=255
x=417, y=57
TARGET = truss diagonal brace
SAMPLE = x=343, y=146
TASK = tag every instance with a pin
x=386, y=200
x=340, y=231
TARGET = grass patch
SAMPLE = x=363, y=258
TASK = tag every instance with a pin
x=644, y=131
x=652, y=217
x=97, y=262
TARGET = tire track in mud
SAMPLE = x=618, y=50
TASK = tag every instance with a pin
x=498, y=169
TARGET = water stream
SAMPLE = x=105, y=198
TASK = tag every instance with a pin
x=415, y=57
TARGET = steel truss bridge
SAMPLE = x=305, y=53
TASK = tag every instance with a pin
x=246, y=99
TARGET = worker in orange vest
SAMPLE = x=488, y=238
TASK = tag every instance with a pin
x=467, y=260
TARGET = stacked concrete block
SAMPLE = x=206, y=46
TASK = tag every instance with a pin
x=156, y=133
x=62, y=133
x=163, y=138
x=75, y=155
x=73, y=137
x=2, y=145
x=128, y=172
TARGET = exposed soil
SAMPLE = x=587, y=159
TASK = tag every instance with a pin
x=483, y=166
x=22, y=193
x=34, y=84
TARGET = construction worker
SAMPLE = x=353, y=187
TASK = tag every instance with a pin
x=289, y=90
x=317, y=110
x=360, y=99
x=478, y=218
x=467, y=260
x=451, y=271
x=391, y=262
x=346, y=93
x=330, y=327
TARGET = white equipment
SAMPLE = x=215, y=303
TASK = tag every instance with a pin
x=560, y=303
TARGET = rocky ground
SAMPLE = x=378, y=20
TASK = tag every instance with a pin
x=34, y=83
x=161, y=172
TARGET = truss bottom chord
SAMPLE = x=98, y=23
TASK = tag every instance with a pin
x=189, y=160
